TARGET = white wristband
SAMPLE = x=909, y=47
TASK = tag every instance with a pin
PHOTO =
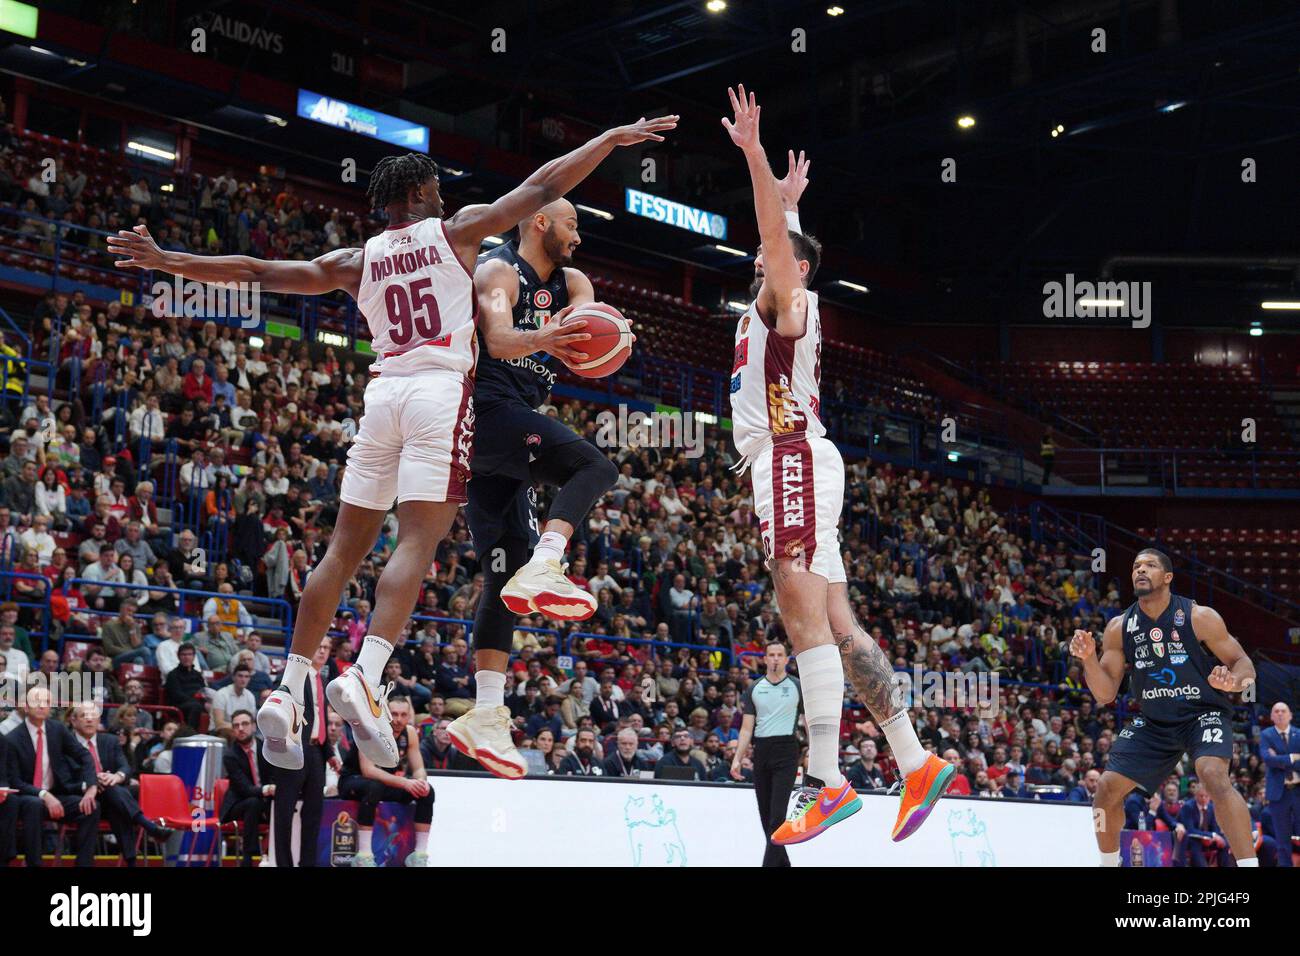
x=792, y=220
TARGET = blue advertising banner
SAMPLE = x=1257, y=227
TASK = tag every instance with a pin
x=676, y=214
x=358, y=119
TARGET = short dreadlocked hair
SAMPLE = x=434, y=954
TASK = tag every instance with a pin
x=394, y=177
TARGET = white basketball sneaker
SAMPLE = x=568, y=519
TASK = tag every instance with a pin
x=541, y=587
x=368, y=714
x=484, y=735
x=280, y=721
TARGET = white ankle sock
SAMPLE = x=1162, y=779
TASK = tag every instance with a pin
x=821, y=677
x=296, y=668
x=491, y=689
x=906, y=746
x=363, y=839
x=1110, y=859
x=549, y=548
x=1253, y=861
x=375, y=652
x=422, y=841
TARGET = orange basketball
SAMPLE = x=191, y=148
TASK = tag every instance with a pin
x=610, y=343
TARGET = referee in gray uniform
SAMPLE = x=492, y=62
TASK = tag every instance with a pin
x=772, y=706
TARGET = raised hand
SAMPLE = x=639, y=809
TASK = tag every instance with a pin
x=795, y=181
x=139, y=248
x=743, y=130
x=642, y=130
x=1082, y=644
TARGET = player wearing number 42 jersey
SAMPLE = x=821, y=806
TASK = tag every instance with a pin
x=798, y=479
x=415, y=286
x=1171, y=643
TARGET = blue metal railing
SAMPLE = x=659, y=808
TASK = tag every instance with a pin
x=282, y=619
x=65, y=256
x=7, y=579
x=1095, y=531
x=1182, y=470
x=27, y=366
x=48, y=241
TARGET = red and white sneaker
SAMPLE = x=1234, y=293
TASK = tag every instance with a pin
x=541, y=587
x=280, y=721
x=483, y=734
x=367, y=712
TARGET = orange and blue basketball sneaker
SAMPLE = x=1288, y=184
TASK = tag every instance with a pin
x=921, y=791
x=816, y=810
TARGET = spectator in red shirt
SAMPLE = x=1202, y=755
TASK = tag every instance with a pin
x=960, y=786
x=58, y=561
x=197, y=384
x=998, y=769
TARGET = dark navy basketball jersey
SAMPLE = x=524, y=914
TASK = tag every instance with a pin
x=526, y=380
x=352, y=759
x=1170, y=668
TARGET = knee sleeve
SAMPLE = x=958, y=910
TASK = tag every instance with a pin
x=581, y=472
x=493, y=621
x=424, y=808
x=369, y=802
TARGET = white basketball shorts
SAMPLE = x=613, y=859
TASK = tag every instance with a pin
x=798, y=497
x=414, y=441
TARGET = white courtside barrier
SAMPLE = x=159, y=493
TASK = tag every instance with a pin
x=567, y=821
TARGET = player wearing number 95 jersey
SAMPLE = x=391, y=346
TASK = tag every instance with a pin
x=414, y=283
x=1172, y=643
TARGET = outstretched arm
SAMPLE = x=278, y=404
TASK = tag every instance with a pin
x=782, y=293
x=471, y=225
x=339, y=269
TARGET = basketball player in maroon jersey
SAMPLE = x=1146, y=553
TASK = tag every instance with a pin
x=414, y=284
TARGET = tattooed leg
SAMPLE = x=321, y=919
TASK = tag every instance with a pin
x=865, y=664
x=869, y=672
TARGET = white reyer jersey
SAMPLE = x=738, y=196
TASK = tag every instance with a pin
x=775, y=381
x=418, y=300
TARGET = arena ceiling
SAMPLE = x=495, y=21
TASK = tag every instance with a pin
x=1153, y=132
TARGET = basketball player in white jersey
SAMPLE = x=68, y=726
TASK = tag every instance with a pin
x=414, y=285
x=798, y=481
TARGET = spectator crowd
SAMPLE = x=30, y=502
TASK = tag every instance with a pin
x=172, y=456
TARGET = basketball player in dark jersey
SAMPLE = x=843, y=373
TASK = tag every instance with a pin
x=369, y=784
x=1172, y=644
x=525, y=289
x=419, y=307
